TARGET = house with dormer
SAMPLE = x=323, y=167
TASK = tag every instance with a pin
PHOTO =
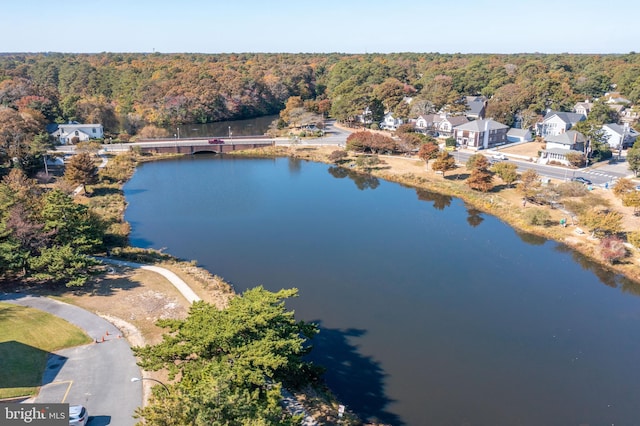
x=74, y=132
x=583, y=108
x=389, y=122
x=557, y=122
x=442, y=123
x=476, y=106
x=481, y=134
x=558, y=146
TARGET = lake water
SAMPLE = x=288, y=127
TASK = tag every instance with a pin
x=225, y=129
x=431, y=313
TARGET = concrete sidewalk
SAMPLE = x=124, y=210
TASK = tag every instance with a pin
x=175, y=280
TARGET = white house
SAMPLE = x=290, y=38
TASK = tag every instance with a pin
x=390, y=123
x=556, y=122
x=619, y=135
x=74, y=132
x=558, y=146
x=442, y=123
x=583, y=108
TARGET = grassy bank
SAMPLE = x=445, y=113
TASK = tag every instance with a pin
x=27, y=337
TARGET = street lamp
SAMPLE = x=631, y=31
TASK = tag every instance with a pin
x=138, y=379
x=178, y=132
x=230, y=132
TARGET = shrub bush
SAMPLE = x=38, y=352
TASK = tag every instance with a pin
x=612, y=249
x=537, y=217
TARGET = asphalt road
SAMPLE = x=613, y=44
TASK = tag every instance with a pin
x=97, y=375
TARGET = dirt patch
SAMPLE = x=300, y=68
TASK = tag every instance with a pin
x=529, y=149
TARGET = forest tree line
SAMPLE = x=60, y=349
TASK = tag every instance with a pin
x=128, y=92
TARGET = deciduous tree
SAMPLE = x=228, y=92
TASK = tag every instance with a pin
x=508, y=172
x=443, y=163
x=529, y=184
x=601, y=222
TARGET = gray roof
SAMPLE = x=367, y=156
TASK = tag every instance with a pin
x=475, y=104
x=561, y=151
x=456, y=120
x=567, y=117
x=569, y=137
x=518, y=132
x=479, y=125
x=619, y=129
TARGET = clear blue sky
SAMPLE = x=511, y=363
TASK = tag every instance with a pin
x=345, y=26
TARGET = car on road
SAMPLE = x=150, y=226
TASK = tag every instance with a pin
x=78, y=415
x=638, y=188
x=216, y=141
x=581, y=180
x=499, y=157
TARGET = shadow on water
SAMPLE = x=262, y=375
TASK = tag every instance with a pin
x=440, y=201
x=534, y=240
x=358, y=379
x=474, y=216
x=362, y=180
x=606, y=276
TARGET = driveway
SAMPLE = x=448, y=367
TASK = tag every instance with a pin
x=97, y=375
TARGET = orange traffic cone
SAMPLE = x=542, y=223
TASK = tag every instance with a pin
x=103, y=338
x=107, y=333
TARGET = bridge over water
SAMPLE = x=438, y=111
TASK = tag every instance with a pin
x=198, y=145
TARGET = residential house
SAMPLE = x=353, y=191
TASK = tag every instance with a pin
x=366, y=118
x=628, y=115
x=620, y=135
x=557, y=122
x=519, y=135
x=481, y=134
x=74, y=132
x=583, y=108
x=558, y=146
x=476, y=106
x=389, y=122
x=441, y=123
x=616, y=98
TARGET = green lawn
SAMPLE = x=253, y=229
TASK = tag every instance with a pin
x=26, y=337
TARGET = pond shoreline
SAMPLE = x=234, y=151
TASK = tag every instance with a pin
x=504, y=204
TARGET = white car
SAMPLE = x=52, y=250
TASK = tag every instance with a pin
x=78, y=415
x=500, y=157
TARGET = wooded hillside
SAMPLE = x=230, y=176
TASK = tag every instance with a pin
x=126, y=92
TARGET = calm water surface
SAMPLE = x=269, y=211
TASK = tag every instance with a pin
x=431, y=313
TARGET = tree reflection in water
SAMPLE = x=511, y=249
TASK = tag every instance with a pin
x=440, y=201
x=362, y=180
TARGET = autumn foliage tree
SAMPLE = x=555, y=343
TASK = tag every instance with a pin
x=428, y=151
x=81, y=170
x=365, y=141
x=601, y=222
x=612, y=249
x=480, y=178
x=508, y=172
x=443, y=163
x=529, y=184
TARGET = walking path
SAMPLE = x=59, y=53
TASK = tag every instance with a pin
x=177, y=282
x=288, y=400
